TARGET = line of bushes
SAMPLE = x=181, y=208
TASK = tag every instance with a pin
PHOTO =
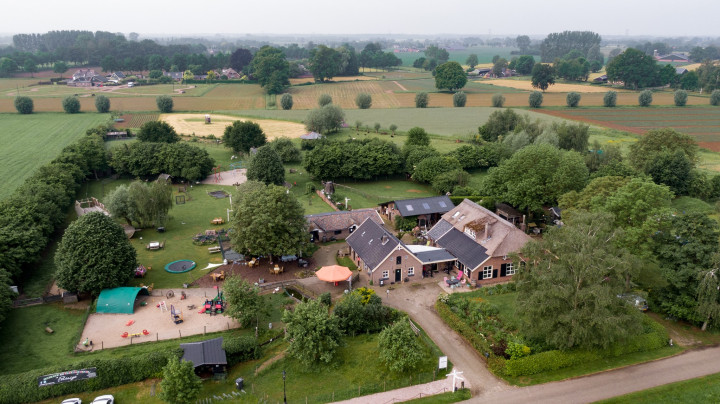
x=655, y=337
x=37, y=209
x=193, y=81
x=23, y=387
x=476, y=340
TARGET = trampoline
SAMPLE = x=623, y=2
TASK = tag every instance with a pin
x=180, y=266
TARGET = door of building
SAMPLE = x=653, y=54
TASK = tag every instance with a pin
x=398, y=275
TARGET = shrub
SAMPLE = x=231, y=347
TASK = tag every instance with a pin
x=324, y=100
x=459, y=99
x=680, y=98
x=327, y=119
x=71, y=105
x=363, y=101
x=610, y=99
x=498, y=100
x=645, y=98
x=325, y=299
x=102, y=104
x=715, y=98
x=286, y=101
x=535, y=99
x=24, y=105
x=164, y=103
x=421, y=100
x=573, y=99
x=241, y=348
x=453, y=321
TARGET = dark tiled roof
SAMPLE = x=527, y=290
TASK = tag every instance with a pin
x=367, y=241
x=467, y=251
x=208, y=352
x=439, y=255
x=422, y=206
x=440, y=228
x=342, y=220
x=120, y=75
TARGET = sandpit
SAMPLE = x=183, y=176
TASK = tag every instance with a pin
x=105, y=330
x=231, y=177
x=188, y=124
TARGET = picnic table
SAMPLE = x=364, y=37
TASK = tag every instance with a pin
x=453, y=281
x=154, y=245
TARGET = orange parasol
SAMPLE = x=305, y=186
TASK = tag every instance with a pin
x=333, y=273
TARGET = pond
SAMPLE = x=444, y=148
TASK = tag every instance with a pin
x=292, y=292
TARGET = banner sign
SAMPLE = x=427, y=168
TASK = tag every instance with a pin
x=442, y=364
x=69, y=376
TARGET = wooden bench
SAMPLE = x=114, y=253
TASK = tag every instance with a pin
x=215, y=249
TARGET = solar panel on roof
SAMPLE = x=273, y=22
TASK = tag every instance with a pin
x=409, y=207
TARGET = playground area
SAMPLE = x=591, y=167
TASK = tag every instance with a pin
x=151, y=322
x=230, y=177
x=195, y=124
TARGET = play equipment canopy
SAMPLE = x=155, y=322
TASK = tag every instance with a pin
x=119, y=300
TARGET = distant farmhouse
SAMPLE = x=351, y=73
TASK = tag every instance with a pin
x=86, y=78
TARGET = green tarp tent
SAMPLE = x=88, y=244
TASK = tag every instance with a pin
x=119, y=300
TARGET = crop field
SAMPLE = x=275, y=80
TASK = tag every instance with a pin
x=187, y=124
x=702, y=123
x=343, y=94
x=29, y=141
x=135, y=120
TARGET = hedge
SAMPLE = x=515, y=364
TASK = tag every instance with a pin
x=193, y=81
x=241, y=349
x=456, y=323
x=458, y=199
x=23, y=387
x=656, y=337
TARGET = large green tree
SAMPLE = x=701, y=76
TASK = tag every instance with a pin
x=266, y=166
x=312, y=332
x=271, y=69
x=417, y=137
x=325, y=63
x=180, y=384
x=567, y=290
x=240, y=59
x=326, y=119
x=524, y=64
x=268, y=221
x=94, y=254
x=536, y=176
x=399, y=348
x=157, y=131
x=450, y=75
x=242, y=135
x=634, y=68
x=658, y=141
x=244, y=301
x=543, y=76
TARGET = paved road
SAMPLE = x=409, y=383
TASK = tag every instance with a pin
x=419, y=302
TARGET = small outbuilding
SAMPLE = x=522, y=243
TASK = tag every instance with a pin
x=119, y=300
x=208, y=357
x=311, y=136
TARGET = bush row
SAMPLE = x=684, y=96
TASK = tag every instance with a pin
x=23, y=387
x=655, y=337
x=456, y=323
x=38, y=208
x=180, y=160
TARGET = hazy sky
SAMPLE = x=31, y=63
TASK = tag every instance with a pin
x=532, y=17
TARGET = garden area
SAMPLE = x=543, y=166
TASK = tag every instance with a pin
x=487, y=320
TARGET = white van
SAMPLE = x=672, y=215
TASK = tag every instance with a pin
x=131, y=84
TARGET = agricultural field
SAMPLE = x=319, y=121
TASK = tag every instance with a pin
x=187, y=124
x=135, y=120
x=451, y=122
x=484, y=54
x=702, y=123
x=29, y=141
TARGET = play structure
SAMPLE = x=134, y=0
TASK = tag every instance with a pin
x=85, y=206
x=135, y=335
x=214, y=306
x=119, y=300
x=180, y=266
x=176, y=315
x=217, y=173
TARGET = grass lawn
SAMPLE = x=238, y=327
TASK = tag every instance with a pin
x=700, y=390
x=29, y=141
x=32, y=347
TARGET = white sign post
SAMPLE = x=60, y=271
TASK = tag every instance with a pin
x=456, y=375
x=443, y=362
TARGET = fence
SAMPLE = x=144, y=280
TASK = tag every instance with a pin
x=42, y=300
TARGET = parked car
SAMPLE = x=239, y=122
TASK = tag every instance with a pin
x=72, y=401
x=106, y=399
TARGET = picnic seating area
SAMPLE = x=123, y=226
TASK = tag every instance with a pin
x=277, y=270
